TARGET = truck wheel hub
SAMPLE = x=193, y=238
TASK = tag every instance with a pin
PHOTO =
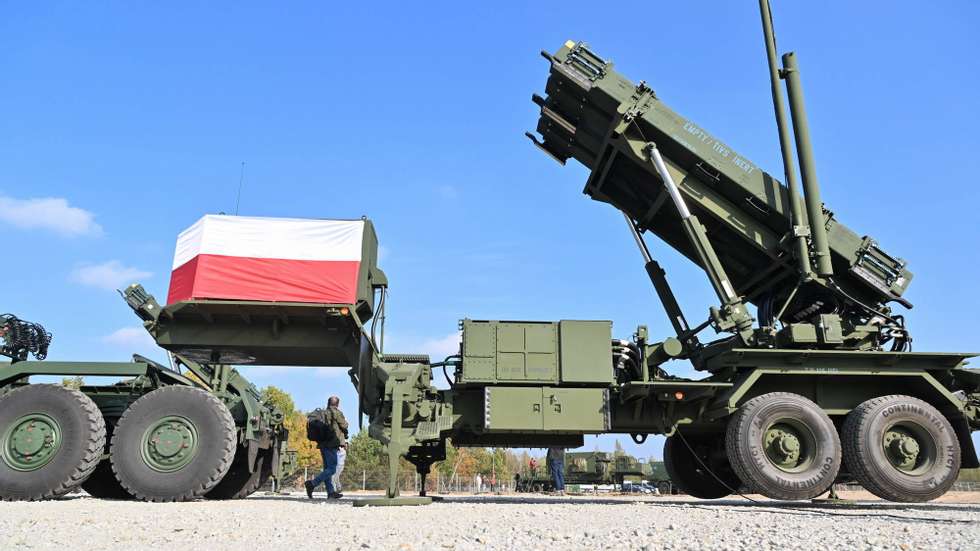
x=902, y=448
x=169, y=444
x=783, y=447
x=31, y=442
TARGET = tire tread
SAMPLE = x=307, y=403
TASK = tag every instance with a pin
x=853, y=441
x=228, y=422
x=93, y=453
x=736, y=433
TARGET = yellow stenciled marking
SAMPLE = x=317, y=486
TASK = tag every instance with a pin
x=569, y=44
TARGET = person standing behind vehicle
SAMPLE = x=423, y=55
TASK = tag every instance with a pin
x=328, y=428
x=341, y=459
x=556, y=464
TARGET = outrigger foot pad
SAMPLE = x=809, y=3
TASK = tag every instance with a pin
x=391, y=501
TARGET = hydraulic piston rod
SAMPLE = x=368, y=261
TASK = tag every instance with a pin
x=734, y=315
x=659, y=279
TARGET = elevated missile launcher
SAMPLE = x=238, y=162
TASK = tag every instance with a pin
x=596, y=116
x=812, y=381
x=817, y=385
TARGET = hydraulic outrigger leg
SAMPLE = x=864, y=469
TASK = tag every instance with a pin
x=395, y=450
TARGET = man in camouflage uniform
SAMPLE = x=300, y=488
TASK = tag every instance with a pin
x=335, y=438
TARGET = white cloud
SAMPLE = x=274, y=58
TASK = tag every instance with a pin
x=48, y=213
x=438, y=349
x=107, y=275
x=130, y=337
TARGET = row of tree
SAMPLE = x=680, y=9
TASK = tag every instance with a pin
x=367, y=461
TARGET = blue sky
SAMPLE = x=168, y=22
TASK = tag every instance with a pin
x=122, y=123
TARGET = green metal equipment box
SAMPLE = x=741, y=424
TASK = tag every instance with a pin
x=525, y=409
x=566, y=352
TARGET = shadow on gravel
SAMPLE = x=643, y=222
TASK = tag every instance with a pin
x=857, y=510
x=303, y=499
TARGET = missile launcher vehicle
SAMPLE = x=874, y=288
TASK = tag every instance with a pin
x=811, y=380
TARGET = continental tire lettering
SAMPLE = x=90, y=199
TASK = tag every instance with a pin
x=904, y=408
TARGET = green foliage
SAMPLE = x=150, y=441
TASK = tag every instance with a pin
x=75, y=382
x=366, y=460
x=279, y=398
x=308, y=456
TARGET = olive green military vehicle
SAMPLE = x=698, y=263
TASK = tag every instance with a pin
x=161, y=433
x=588, y=468
x=810, y=379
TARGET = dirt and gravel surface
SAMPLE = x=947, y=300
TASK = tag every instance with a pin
x=493, y=522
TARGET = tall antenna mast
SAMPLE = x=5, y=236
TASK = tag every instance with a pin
x=241, y=179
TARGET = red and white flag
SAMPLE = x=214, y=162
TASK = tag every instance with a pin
x=268, y=259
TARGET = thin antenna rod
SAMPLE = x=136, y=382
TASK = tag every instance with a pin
x=800, y=229
x=241, y=179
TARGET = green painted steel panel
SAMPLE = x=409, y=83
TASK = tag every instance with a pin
x=479, y=369
x=586, y=353
x=518, y=352
x=510, y=337
x=541, y=367
x=478, y=339
x=512, y=408
x=576, y=409
x=510, y=366
x=540, y=338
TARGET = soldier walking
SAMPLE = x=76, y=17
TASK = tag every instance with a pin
x=328, y=428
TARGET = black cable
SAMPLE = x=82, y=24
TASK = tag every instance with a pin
x=709, y=471
x=21, y=338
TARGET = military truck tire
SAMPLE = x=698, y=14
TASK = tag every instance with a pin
x=72, y=439
x=688, y=474
x=173, y=444
x=784, y=446
x=901, y=449
x=238, y=482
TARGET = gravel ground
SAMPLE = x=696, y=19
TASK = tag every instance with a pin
x=498, y=522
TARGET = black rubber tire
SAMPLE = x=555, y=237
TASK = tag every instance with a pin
x=865, y=427
x=83, y=439
x=687, y=473
x=747, y=428
x=216, y=430
x=238, y=482
x=103, y=483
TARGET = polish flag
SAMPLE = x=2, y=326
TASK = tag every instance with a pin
x=268, y=259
